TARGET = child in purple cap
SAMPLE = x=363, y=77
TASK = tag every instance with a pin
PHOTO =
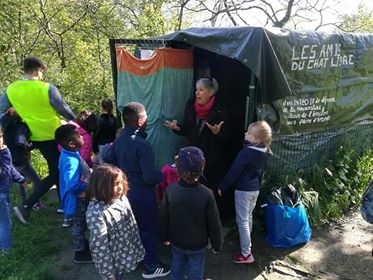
x=189, y=217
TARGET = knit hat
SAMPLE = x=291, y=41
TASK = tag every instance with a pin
x=190, y=159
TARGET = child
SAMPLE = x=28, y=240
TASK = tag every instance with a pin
x=190, y=217
x=8, y=175
x=107, y=128
x=86, y=123
x=170, y=177
x=72, y=188
x=134, y=155
x=246, y=174
x=114, y=237
x=16, y=135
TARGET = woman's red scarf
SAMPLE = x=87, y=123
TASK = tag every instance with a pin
x=203, y=111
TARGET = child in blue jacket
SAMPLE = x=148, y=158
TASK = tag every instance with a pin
x=245, y=175
x=8, y=175
x=72, y=186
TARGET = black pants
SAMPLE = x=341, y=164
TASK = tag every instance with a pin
x=51, y=154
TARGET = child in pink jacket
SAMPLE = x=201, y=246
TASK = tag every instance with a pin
x=86, y=123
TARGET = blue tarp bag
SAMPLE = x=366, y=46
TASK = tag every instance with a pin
x=286, y=226
x=366, y=208
x=286, y=219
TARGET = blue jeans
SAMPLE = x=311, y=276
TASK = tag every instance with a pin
x=5, y=221
x=30, y=173
x=187, y=261
x=245, y=203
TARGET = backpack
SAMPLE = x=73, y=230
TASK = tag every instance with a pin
x=366, y=208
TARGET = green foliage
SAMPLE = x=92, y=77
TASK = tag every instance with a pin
x=362, y=21
x=39, y=163
x=72, y=38
x=333, y=187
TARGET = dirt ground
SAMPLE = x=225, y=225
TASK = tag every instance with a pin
x=341, y=250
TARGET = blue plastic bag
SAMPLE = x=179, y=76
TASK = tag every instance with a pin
x=286, y=226
x=366, y=208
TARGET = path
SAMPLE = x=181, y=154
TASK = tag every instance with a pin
x=337, y=251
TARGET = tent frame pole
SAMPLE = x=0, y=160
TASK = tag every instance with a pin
x=250, y=102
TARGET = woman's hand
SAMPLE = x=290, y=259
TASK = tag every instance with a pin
x=173, y=125
x=215, y=129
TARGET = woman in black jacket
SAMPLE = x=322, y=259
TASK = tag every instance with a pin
x=206, y=126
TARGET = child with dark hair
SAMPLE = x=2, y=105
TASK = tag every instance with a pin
x=114, y=237
x=16, y=137
x=107, y=128
x=134, y=155
x=72, y=186
x=86, y=124
x=8, y=175
x=190, y=217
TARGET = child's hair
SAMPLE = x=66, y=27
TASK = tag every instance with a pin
x=87, y=120
x=210, y=83
x=31, y=64
x=132, y=112
x=102, y=182
x=190, y=163
x=107, y=105
x=263, y=132
x=65, y=133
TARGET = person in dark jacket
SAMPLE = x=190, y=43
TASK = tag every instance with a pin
x=206, y=125
x=190, y=217
x=16, y=135
x=8, y=175
x=107, y=129
x=245, y=175
x=134, y=155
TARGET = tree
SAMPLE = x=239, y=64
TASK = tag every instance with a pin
x=280, y=13
x=72, y=37
x=362, y=21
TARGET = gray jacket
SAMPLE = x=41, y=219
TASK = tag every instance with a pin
x=114, y=237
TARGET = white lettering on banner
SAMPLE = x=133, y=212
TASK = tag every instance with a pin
x=306, y=111
x=319, y=57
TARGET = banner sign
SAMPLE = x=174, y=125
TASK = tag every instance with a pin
x=331, y=78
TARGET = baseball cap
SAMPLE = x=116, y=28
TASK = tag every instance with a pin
x=190, y=159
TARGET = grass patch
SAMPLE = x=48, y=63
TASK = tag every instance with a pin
x=35, y=245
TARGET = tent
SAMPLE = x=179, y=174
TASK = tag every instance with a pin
x=314, y=88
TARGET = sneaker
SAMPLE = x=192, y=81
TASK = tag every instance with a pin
x=59, y=210
x=39, y=206
x=22, y=213
x=239, y=258
x=67, y=222
x=82, y=257
x=160, y=270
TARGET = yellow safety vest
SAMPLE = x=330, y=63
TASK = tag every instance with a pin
x=31, y=101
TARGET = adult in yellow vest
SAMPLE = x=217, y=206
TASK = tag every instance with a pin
x=39, y=104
